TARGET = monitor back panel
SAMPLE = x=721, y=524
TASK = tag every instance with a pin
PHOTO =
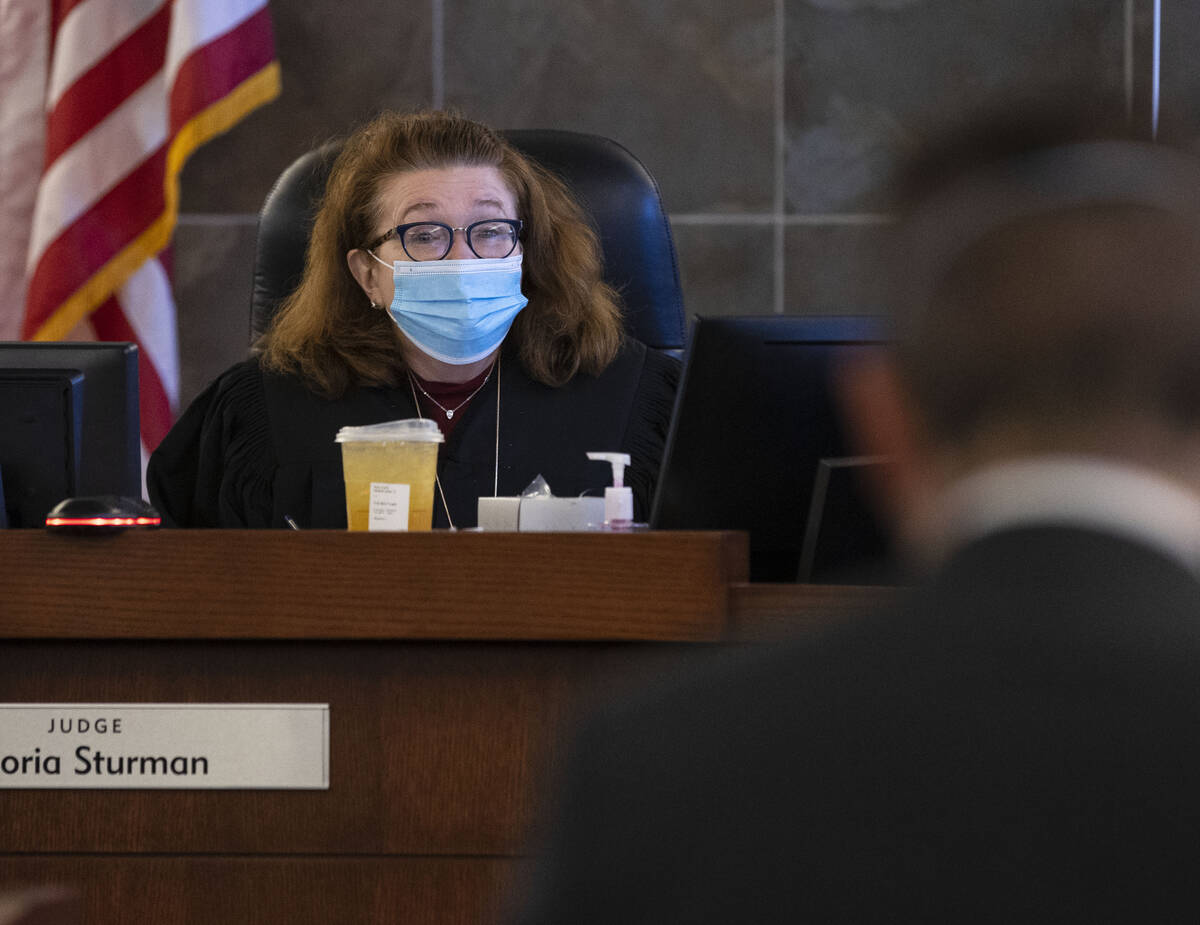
x=755, y=415
x=40, y=413
x=109, y=451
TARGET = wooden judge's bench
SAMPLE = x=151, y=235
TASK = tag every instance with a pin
x=452, y=665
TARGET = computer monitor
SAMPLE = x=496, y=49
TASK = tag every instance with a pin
x=69, y=425
x=843, y=540
x=756, y=433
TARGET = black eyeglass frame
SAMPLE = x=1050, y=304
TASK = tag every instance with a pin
x=399, y=231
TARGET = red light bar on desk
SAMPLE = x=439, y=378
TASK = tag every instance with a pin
x=101, y=514
x=103, y=521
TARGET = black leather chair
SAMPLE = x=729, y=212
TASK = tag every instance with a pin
x=613, y=186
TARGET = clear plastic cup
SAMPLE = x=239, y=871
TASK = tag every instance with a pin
x=389, y=470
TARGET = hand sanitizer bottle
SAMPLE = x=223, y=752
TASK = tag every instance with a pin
x=618, y=497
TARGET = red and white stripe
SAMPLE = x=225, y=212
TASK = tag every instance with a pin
x=23, y=66
x=134, y=86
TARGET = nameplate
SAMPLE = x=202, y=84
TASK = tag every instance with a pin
x=164, y=746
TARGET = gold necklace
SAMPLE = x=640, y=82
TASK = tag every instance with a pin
x=496, y=464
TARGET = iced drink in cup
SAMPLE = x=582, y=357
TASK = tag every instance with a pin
x=389, y=470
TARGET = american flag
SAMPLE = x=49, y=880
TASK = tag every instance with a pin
x=132, y=88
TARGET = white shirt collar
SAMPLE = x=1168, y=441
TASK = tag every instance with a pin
x=1079, y=491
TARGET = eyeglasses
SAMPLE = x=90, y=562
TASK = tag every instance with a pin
x=492, y=237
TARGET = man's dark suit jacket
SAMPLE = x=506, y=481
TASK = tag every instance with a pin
x=1020, y=741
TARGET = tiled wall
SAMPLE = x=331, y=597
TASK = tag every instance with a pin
x=770, y=124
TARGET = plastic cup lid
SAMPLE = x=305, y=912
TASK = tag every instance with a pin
x=409, y=430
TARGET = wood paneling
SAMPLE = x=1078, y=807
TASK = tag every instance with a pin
x=772, y=612
x=323, y=584
x=452, y=663
x=435, y=748
x=259, y=891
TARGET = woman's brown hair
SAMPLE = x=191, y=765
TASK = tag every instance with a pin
x=327, y=331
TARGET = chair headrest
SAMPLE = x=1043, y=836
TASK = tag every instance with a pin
x=612, y=185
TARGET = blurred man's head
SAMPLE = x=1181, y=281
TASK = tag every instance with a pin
x=1047, y=302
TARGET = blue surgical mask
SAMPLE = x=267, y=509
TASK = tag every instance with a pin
x=456, y=311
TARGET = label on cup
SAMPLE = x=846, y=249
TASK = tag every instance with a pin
x=388, y=507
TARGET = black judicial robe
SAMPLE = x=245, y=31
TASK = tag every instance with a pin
x=257, y=447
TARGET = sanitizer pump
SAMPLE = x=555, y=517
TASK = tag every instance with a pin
x=618, y=498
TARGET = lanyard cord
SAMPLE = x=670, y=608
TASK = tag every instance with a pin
x=496, y=464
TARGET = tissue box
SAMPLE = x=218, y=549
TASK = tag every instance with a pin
x=499, y=513
x=541, y=514
x=561, y=514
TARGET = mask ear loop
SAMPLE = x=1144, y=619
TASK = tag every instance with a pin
x=372, y=255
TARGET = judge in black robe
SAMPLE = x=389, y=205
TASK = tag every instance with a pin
x=412, y=198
